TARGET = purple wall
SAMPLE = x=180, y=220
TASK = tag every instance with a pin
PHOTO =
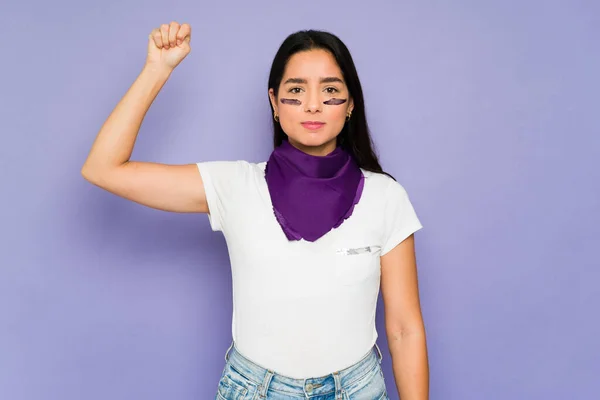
x=485, y=113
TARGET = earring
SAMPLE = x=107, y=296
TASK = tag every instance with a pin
x=348, y=116
x=276, y=117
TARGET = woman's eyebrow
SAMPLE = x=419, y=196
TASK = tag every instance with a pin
x=329, y=79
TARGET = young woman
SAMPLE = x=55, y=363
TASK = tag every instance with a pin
x=313, y=232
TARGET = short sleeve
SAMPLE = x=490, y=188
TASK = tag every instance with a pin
x=221, y=180
x=400, y=217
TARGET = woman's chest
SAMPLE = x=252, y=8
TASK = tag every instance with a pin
x=348, y=255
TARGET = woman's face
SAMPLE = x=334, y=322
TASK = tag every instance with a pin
x=313, y=101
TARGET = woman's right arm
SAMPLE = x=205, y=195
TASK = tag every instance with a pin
x=176, y=188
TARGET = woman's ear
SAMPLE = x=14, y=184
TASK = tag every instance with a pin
x=273, y=99
x=350, y=105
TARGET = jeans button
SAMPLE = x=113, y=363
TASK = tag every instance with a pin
x=309, y=387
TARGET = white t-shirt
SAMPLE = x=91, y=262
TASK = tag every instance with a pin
x=303, y=309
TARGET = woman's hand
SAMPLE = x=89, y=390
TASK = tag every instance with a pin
x=168, y=45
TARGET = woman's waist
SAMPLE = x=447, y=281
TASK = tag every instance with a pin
x=293, y=367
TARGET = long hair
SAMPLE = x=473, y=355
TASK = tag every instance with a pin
x=354, y=137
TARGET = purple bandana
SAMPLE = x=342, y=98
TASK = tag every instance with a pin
x=311, y=194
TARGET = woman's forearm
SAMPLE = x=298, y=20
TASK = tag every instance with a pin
x=410, y=365
x=114, y=143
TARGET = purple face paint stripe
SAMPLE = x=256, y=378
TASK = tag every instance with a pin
x=335, y=102
x=292, y=102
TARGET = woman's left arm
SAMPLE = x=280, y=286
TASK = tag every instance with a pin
x=404, y=322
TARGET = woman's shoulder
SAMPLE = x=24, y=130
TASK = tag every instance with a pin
x=384, y=184
x=233, y=166
x=378, y=179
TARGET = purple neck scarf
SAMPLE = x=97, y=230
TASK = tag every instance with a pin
x=311, y=195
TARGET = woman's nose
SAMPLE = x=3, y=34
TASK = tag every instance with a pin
x=313, y=103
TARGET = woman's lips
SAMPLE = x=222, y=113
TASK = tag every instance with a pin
x=312, y=125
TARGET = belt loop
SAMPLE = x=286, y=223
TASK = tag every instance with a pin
x=379, y=355
x=262, y=393
x=338, y=386
x=227, y=352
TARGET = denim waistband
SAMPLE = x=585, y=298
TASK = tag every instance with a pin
x=267, y=379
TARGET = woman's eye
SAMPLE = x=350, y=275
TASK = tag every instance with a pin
x=331, y=90
x=295, y=90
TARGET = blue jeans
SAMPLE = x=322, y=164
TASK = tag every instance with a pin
x=244, y=380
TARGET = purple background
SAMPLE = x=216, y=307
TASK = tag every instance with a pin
x=484, y=111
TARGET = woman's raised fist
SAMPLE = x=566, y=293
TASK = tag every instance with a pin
x=168, y=45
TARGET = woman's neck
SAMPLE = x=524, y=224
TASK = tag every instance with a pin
x=319, y=151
